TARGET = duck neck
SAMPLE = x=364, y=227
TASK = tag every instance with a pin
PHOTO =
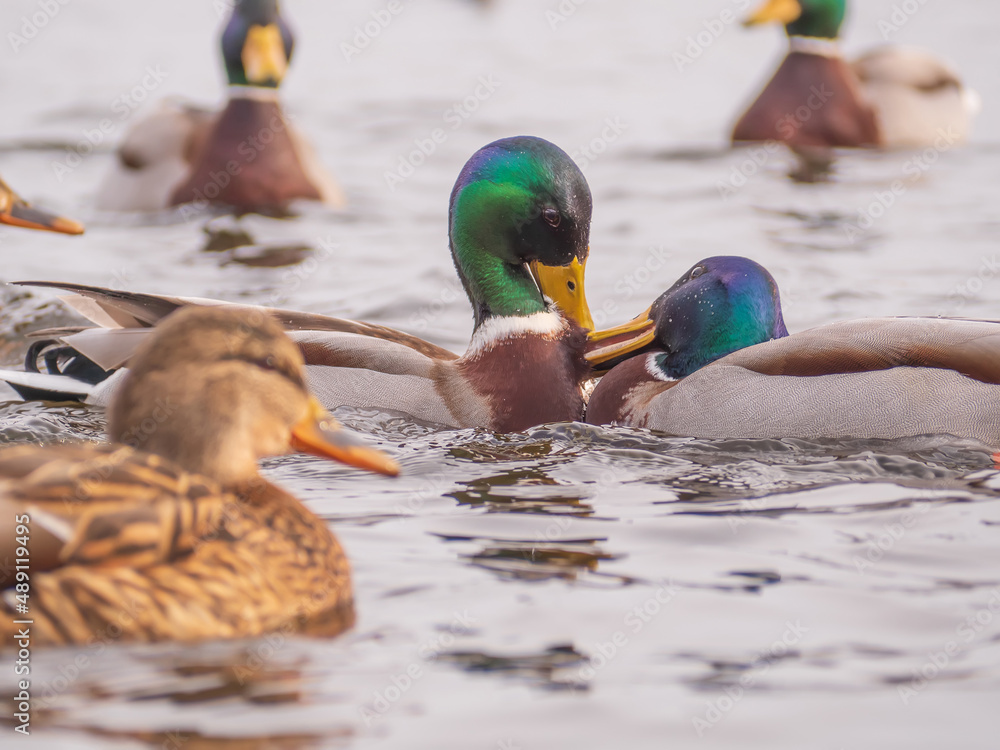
x=494, y=287
x=255, y=93
x=814, y=45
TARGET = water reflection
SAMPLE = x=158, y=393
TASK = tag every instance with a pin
x=556, y=667
x=522, y=490
x=541, y=561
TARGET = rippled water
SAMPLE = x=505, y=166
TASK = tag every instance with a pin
x=570, y=585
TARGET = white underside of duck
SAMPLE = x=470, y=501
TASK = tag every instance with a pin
x=155, y=156
x=918, y=98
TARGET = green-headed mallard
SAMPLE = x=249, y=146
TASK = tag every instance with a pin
x=519, y=227
x=717, y=362
x=169, y=532
x=891, y=97
x=247, y=158
x=17, y=212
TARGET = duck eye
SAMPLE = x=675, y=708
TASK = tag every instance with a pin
x=551, y=216
x=266, y=364
x=697, y=271
x=571, y=285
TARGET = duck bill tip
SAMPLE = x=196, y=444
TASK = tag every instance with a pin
x=614, y=343
x=264, y=55
x=325, y=438
x=26, y=217
x=775, y=11
x=565, y=286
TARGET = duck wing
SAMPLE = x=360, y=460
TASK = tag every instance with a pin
x=969, y=347
x=881, y=379
x=116, y=309
x=105, y=506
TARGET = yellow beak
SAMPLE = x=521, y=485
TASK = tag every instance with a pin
x=17, y=213
x=782, y=11
x=613, y=343
x=320, y=435
x=264, y=59
x=564, y=285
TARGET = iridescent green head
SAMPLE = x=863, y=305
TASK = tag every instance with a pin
x=816, y=18
x=256, y=44
x=517, y=202
x=720, y=305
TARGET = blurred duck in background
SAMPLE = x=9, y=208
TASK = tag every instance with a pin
x=714, y=360
x=893, y=97
x=171, y=523
x=17, y=212
x=247, y=158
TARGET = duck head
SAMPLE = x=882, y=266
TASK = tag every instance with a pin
x=256, y=44
x=813, y=18
x=215, y=389
x=720, y=305
x=519, y=230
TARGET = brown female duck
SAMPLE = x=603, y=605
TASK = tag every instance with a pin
x=169, y=532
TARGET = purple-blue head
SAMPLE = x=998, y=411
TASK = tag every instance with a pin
x=719, y=305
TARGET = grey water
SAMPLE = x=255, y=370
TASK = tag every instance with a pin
x=570, y=585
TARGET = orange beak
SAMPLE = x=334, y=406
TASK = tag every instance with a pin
x=319, y=434
x=17, y=213
x=613, y=343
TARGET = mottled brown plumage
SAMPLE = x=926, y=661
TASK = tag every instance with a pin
x=170, y=533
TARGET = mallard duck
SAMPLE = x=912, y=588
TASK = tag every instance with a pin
x=717, y=362
x=519, y=226
x=919, y=99
x=891, y=97
x=169, y=532
x=247, y=157
x=16, y=212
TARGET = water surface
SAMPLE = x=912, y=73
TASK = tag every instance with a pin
x=568, y=586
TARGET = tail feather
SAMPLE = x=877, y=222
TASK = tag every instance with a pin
x=40, y=386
